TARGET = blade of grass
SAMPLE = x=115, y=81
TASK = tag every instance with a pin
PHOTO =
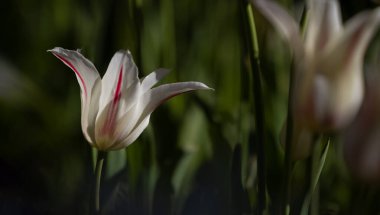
x=315, y=178
x=259, y=112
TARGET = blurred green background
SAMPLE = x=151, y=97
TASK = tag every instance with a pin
x=198, y=156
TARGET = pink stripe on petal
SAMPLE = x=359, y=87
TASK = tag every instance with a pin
x=69, y=64
x=111, y=115
x=117, y=95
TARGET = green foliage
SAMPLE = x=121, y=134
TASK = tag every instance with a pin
x=198, y=156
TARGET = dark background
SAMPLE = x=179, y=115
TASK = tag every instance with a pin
x=198, y=154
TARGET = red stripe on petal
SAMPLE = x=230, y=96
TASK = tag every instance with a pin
x=69, y=64
x=117, y=95
x=109, y=125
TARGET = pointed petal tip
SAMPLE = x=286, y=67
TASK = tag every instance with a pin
x=283, y=23
x=205, y=87
x=185, y=86
x=124, y=52
x=53, y=50
x=56, y=49
x=202, y=86
x=64, y=52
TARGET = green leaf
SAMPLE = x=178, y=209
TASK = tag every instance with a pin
x=116, y=161
x=194, y=140
x=315, y=179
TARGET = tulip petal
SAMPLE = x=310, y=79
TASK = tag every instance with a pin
x=324, y=23
x=341, y=67
x=361, y=139
x=349, y=49
x=133, y=135
x=160, y=94
x=90, y=84
x=120, y=89
x=332, y=19
x=132, y=123
x=153, y=78
x=283, y=22
x=120, y=74
x=107, y=124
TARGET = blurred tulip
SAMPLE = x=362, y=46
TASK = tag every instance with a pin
x=329, y=87
x=116, y=109
x=361, y=140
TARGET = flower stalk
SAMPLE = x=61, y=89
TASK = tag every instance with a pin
x=288, y=149
x=98, y=176
x=257, y=92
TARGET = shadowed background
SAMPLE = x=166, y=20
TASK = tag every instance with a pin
x=198, y=154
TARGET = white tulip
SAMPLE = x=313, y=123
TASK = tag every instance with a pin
x=329, y=86
x=116, y=108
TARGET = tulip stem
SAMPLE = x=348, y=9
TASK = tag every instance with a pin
x=98, y=175
x=259, y=113
x=288, y=149
x=288, y=163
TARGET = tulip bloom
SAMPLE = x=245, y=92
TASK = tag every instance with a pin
x=116, y=108
x=361, y=140
x=329, y=86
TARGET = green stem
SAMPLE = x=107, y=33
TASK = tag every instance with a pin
x=259, y=112
x=318, y=161
x=288, y=164
x=98, y=175
x=288, y=149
